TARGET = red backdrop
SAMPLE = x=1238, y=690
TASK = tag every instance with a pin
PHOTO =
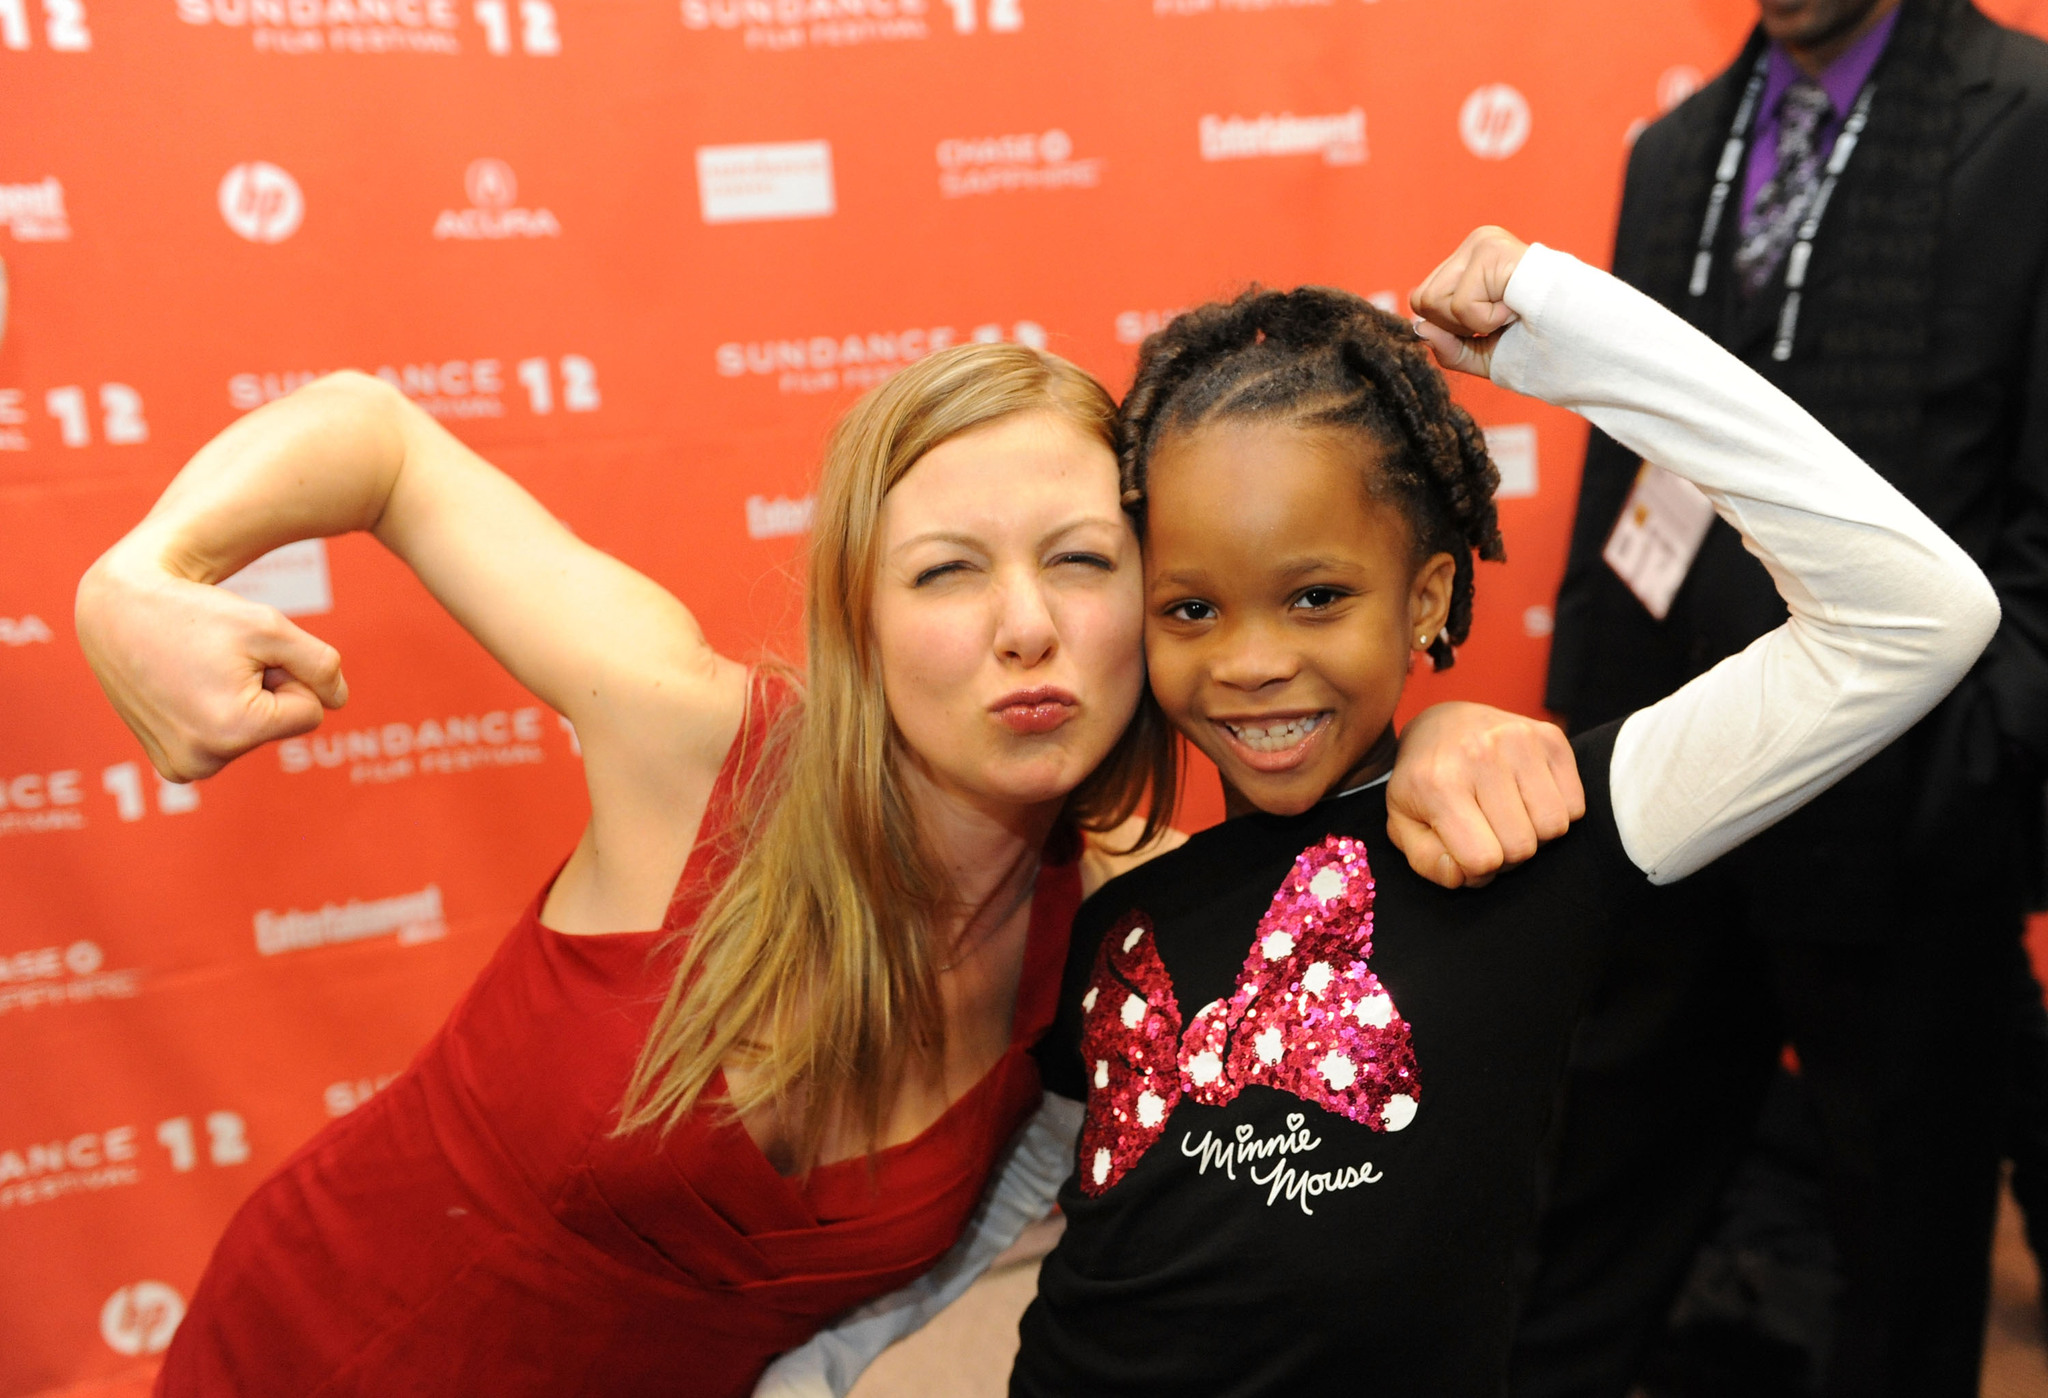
x=639, y=253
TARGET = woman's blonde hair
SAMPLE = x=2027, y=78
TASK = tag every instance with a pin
x=815, y=965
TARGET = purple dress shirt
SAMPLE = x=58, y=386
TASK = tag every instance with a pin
x=1841, y=80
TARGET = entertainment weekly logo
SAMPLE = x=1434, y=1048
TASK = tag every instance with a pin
x=1006, y=164
x=34, y=213
x=1132, y=327
x=824, y=363
x=454, y=389
x=409, y=918
x=395, y=752
x=493, y=189
x=1339, y=138
x=63, y=975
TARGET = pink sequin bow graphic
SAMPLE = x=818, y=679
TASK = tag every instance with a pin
x=1307, y=1016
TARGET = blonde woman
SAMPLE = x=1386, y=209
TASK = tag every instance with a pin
x=634, y=1160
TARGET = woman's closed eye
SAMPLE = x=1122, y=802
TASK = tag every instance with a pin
x=1084, y=560
x=939, y=571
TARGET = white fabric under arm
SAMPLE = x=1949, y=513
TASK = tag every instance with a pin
x=1020, y=1193
x=1887, y=613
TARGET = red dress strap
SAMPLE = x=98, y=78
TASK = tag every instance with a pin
x=772, y=700
x=1053, y=905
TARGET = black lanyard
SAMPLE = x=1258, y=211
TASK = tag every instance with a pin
x=1730, y=169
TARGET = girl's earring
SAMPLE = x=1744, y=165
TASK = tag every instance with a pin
x=1422, y=641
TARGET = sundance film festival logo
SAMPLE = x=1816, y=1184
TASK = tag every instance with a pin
x=396, y=751
x=347, y=26
x=822, y=363
x=34, y=213
x=1002, y=164
x=410, y=917
x=782, y=25
x=261, y=202
x=36, y=803
x=452, y=388
x=1339, y=138
x=493, y=190
x=757, y=183
x=1494, y=122
x=69, y=406
x=85, y=1163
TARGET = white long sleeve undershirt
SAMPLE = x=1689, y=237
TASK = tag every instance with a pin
x=1887, y=614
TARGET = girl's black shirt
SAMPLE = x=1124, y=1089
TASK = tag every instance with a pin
x=1325, y=1191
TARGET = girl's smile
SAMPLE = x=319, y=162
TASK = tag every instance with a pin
x=1276, y=742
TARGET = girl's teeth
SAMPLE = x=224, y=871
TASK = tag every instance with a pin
x=1276, y=737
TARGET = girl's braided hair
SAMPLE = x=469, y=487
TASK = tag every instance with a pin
x=1325, y=358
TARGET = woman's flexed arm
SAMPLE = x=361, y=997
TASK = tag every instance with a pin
x=185, y=663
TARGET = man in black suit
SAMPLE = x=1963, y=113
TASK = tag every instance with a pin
x=1898, y=290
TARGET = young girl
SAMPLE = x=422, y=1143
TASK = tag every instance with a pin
x=1316, y=1086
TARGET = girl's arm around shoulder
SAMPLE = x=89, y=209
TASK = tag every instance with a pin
x=1887, y=612
x=1475, y=791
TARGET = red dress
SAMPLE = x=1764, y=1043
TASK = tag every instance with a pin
x=475, y=1229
